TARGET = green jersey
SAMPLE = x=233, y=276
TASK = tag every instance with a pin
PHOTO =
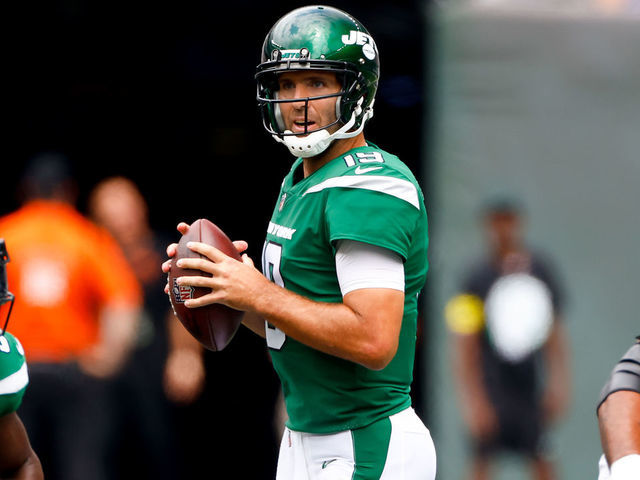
x=13, y=374
x=367, y=195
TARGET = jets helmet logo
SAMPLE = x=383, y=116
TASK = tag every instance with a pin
x=357, y=37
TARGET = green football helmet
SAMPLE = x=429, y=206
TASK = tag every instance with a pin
x=319, y=38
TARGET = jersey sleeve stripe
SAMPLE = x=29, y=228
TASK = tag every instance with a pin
x=15, y=382
x=397, y=187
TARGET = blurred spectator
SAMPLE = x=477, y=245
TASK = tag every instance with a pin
x=506, y=327
x=167, y=360
x=76, y=310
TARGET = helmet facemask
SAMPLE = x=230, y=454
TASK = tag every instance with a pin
x=349, y=100
x=5, y=295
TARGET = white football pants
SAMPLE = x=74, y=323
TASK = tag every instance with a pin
x=396, y=448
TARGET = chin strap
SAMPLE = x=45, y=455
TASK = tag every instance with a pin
x=11, y=299
x=317, y=142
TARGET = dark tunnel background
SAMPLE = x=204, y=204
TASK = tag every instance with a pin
x=164, y=94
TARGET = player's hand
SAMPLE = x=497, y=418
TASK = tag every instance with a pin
x=233, y=283
x=172, y=249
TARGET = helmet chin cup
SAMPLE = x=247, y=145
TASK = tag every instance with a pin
x=313, y=144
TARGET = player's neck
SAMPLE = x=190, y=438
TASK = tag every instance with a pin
x=338, y=147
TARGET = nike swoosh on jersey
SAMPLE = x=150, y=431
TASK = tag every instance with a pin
x=327, y=462
x=360, y=170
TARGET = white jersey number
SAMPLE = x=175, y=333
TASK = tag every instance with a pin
x=271, y=257
x=363, y=157
x=4, y=345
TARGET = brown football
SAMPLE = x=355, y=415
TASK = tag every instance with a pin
x=213, y=325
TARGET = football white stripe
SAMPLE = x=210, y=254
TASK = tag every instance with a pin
x=397, y=187
x=15, y=382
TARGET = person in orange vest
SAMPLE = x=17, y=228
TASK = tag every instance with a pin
x=76, y=313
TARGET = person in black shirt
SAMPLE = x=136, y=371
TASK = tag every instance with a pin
x=510, y=354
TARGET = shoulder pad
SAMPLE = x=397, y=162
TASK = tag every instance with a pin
x=625, y=375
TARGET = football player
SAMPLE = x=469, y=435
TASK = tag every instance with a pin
x=619, y=419
x=17, y=458
x=344, y=259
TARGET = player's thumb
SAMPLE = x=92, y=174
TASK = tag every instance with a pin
x=240, y=245
x=247, y=260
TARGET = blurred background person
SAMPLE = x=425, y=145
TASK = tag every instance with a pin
x=507, y=334
x=619, y=419
x=167, y=362
x=76, y=309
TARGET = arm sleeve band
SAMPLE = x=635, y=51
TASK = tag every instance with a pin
x=625, y=375
x=361, y=265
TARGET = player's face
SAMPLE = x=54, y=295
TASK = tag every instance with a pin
x=308, y=84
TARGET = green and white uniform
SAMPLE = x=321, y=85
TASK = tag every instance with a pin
x=370, y=196
x=345, y=421
x=13, y=374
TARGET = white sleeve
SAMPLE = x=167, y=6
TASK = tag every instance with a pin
x=362, y=265
x=626, y=468
x=603, y=468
